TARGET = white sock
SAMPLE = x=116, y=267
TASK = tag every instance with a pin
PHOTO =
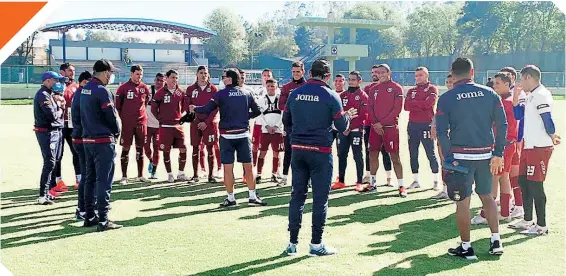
x=495, y=237
x=416, y=177
x=252, y=194
x=78, y=178
x=57, y=179
x=170, y=173
x=181, y=173
x=466, y=245
x=368, y=174
x=444, y=189
x=400, y=181
x=372, y=180
x=435, y=177
x=316, y=246
x=388, y=173
x=231, y=197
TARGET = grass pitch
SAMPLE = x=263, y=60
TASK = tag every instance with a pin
x=177, y=229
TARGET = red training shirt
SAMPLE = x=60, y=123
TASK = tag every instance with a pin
x=386, y=104
x=131, y=101
x=420, y=103
x=168, y=106
x=357, y=100
x=199, y=97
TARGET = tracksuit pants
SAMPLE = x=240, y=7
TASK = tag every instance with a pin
x=288, y=151
x=384, y=154
x=49, y=144
x=79, y=149
x=68, y=138
x=99, y=174
x=420, y=133
x=353, y=140
x=316, y=166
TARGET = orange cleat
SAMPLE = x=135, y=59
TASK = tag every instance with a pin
x=338, y=185
x=54, y=193
x=61, y=187
x=359, y=187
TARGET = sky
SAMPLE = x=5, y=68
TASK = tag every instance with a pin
x=187, y=12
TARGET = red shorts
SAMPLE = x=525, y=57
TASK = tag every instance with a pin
x=390, y=139
x=171, y=137
x=275, y=140
x=508, y=153
x=516, y=158
x=139, y=132
x=208, y=137
x=534, y=163
x=256, y=136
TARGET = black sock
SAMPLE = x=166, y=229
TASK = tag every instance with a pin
x=539, y=196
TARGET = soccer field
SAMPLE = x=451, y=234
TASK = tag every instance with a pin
x=177, y=229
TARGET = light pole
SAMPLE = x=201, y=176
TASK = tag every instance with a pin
x=257, y=35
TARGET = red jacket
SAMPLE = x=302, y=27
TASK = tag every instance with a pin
x=131, y=101
x=420, y=103
x=287, y=89
x=68, y=95
x=197, y=96
x=168, y=106
x=512, y=124
x=357, y=100
x=386, y=104
x=367, y=91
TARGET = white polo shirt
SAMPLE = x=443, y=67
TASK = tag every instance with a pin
x=539, y=101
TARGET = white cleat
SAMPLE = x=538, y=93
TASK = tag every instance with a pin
x=477, y=220
x=170, y=178
x=366, y=179
x=282, y=181
x=522, y=225
x=142, y=179
x=505, y=219
x=441, y=195
x=123, y=181
x=182, y=177
x=517, y=212
x=535, y=230
x=435, y=186
x=414, y=185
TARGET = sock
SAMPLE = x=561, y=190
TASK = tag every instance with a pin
x=181, y=173
x=275, y=165
x=78, y=178
x=58, y=179
x=316, y=246
x=210, y=164
x=388, y=173
x=231, y=197
x=495, y=237
x=260, y=162
x=416, y=177
x=445, y=189
x=368, y=174
x=435, y=177
x=154, y=170
x=170, y=174
x=139, y=161
x=255, y=156
x=195, y=158
x=202, y=157
x=517, y=194
x=182, y=161
x=505, y=200
x=466, y=245
x=400, y=181
x=167, y=161
x=217, y=155
x=252, y=194
x=372, y=180
x=124, y=163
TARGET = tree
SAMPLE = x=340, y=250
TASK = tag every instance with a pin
x=25, y=50
x=281, y=46
x=132, y=39
x=102, y=36
x=229, y=45
x=304, y=40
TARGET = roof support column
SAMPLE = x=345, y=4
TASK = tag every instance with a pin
x=64, y=47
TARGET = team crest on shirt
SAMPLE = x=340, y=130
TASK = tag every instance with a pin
x=208, y=90
x=389, y=89
x=413, y=94
x=426, y=89
x=178, y=93
x=142, y=90
x=358, y=98
x=162, y=146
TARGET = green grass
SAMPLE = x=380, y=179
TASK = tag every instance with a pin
x=177, y=229
x=17, y=102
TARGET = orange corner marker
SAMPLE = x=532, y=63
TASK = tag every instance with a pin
x=14, y=16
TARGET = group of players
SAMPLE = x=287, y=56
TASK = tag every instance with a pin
x=293, y=120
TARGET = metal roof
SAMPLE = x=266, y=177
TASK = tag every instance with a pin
x=130, y=25
x=341, y=23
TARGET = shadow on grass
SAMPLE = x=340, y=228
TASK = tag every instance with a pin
x=243, y=268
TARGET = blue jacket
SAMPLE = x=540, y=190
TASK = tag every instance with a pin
x=99, y=118
x=236, y=108
x=470, y=111
x=46, y=112
x=76, y=115
x=310, y=111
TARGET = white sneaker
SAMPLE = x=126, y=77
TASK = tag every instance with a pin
x=522, y=225
x=518, y=212
x=282, y=181
x=142, y=179
x=441, y=195
x=505, y=219
x=182, y=177
x=535, y=230
x=44, y=201
x=414, y=185
x=366, y=179
x=170, y=178
x=124, y=181
x=435, y=186
x=477, y=220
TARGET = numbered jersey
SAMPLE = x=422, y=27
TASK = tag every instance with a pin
x=168, y=106
x=131, y=102
x=199, y=96
x=358, y=100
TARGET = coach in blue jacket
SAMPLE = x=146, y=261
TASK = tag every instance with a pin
x=310, y=111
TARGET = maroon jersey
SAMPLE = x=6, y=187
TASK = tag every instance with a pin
x=367, y=91
x=420, y=103
x=287, y=89
x=68, y=95
x=357, y=99
x=386, y=104
x=200, y=97
x=131, y=100
x=168, y=106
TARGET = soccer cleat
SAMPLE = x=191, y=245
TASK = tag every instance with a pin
x=521, y=225
x=184, y=177
x=124, y=181
x=150, y=168
x=274, y=178
x=142, y=179
x=368, y=188
x=108, y=225
x=323, y=250
x=291, y=249
x=505, y=219
x=517, y=212
x=76, y=186
x=414, y=185
x=228, y=203
x=465, y=254
x=153, y=176
x=212, y=180
x=366, y=179
x=61, y=187
x=80, y=216
x=535, y=230
x=441, y=195
x=496, y=248
x=90, y=222
x=44, y=201
x=435, y=186
x=258, y=179
x=282, y=181
x=359, y=187
x=257, y=201
x=338, y=185
x=54, y=194
x=170, y=178
x=402, y=192
x=477, y=220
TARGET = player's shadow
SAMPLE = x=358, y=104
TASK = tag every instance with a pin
x=244, y=268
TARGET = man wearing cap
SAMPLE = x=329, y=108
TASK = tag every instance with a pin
x=99, y=120
x=48, y=122
x=469, y=111
x=310, y=111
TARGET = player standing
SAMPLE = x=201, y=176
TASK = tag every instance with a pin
x=449, y=82
x=352, y=137
x=272, y=129
x=539, y=140
x=298, y=71
x=420, y=103
x=204, y=129
x=152, y=137
x=234, y=105
x=384, y=110
x=168, y=106
x=259, y=96
x=469, y=111
x=131, y=101
x=68, y=70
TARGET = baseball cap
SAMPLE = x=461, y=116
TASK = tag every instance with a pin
x=52, y=75
x=321, y=66
x=103, y=65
